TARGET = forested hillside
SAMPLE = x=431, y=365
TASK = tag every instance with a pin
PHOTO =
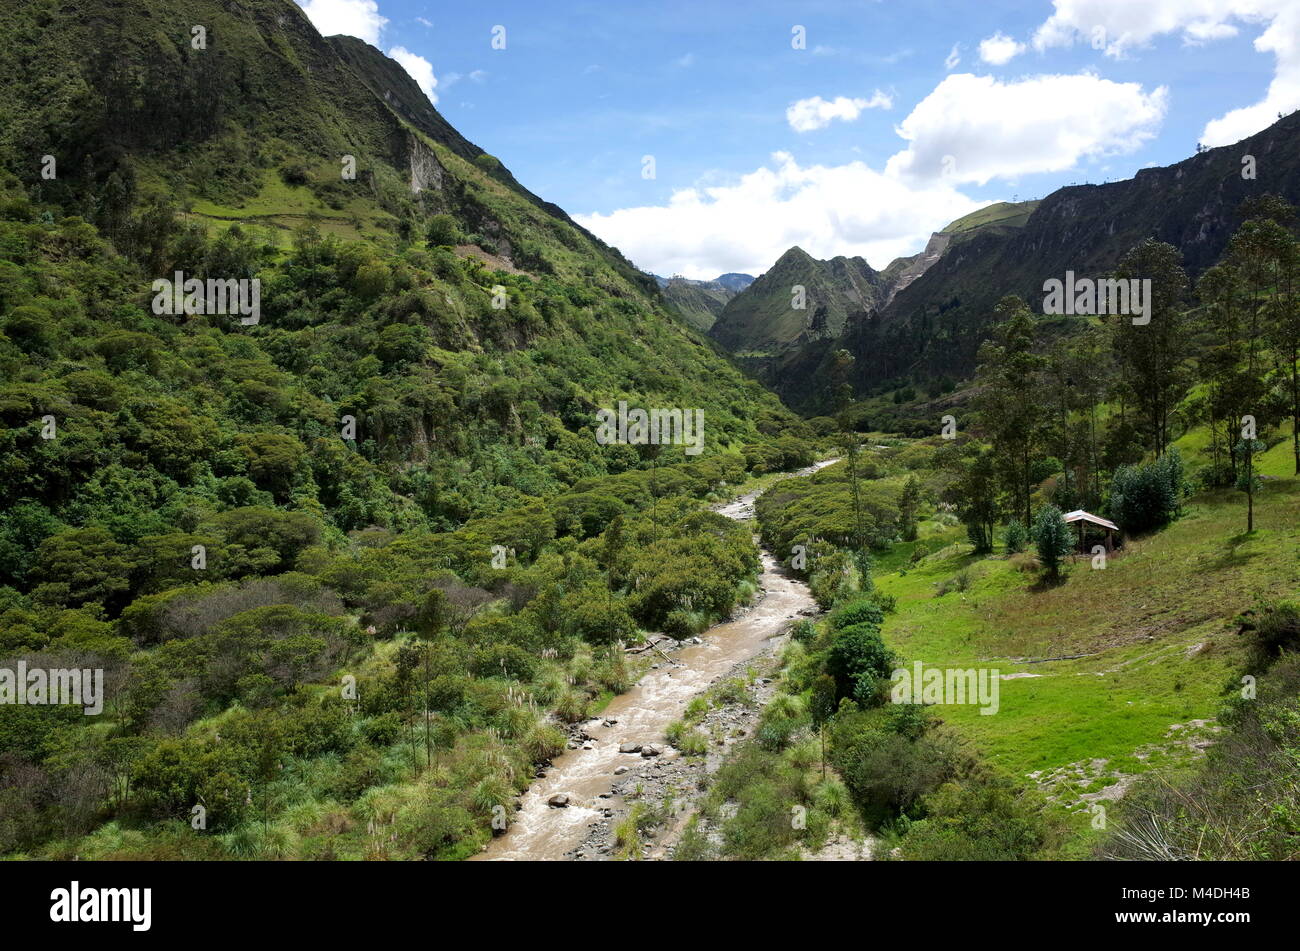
x=381, y=504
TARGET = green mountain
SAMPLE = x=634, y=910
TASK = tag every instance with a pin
x=700, y=302
x=933, y=326
x=394, y=461
x=764, y=316
x=761, y=323
x=246, y=140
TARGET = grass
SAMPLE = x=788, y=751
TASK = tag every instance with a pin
x=1013, y=214
x=281, y=206
x=1156, y=627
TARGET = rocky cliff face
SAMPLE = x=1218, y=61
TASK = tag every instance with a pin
x=933, y=324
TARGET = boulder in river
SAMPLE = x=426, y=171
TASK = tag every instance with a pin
x=650, y=750
x=558, y=801
x=629, y=747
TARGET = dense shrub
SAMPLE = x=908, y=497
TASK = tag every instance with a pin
x=1053, y=538
x=860, y=663
x=1016, y=537
x=1147, y=497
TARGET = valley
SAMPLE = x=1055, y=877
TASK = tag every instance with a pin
x=471, y=538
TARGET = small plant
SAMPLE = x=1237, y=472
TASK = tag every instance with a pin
x=1016, y=537
x=1052, y=538
x=958, y=582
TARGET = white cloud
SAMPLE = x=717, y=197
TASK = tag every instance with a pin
x=817, y=113
x=424, y=21
x=745, y=226
x=419, y=69
x=359, y=18
x=1119, y=26
x=954, y=57
x=1206, y=31
x=999, y=49
x=975, y=128
x=969, y=129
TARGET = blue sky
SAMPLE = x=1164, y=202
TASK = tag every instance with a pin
x=892, y=120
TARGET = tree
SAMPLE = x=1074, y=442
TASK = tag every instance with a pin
x=1016, y=537
x=81, y=566
x=1278, y=254
x=1151, y=355
x=974, y=492
x=612, y=547
x=1052, y=538
x=1248, y=482
x=909, y=500
x=432, y=615
x=443, y=230
x=1147, y=497
x=1078, y=372
x=1232, y=389
x=1010, y=402
x=822, y=707
x=860, y=663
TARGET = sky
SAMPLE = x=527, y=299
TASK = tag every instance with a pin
x=703, y=136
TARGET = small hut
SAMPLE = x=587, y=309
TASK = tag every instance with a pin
x=1083, y=520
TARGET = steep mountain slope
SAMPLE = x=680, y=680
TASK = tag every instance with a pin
x=763, y=318
x=226, y=162
x=266, y=103
x=699, y=302
x=933, y=326
x=395, y=465
x=761, y=321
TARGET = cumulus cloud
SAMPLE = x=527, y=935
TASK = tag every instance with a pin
x=970, y=129
x=745, y=226
x=817, y=113
x=418, y=68
x=1000, y=48
x=975, y=128
x=1120, y=26
x=359, y=18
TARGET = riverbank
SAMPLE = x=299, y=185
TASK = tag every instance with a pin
x=587, y=789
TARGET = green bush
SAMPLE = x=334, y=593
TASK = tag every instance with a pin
x=443, y=230
x=860, y=663
x=1146, y=497
x=864, y=611
x=1052, y=538
x=1016, y=537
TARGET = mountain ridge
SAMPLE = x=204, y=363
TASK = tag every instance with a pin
x=748, y=325
x=932, y=327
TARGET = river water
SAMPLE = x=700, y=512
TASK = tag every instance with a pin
x=542, y=832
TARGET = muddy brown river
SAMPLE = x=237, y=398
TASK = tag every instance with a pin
x=543, y=833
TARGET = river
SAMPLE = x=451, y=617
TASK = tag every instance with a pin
x=541, y=832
